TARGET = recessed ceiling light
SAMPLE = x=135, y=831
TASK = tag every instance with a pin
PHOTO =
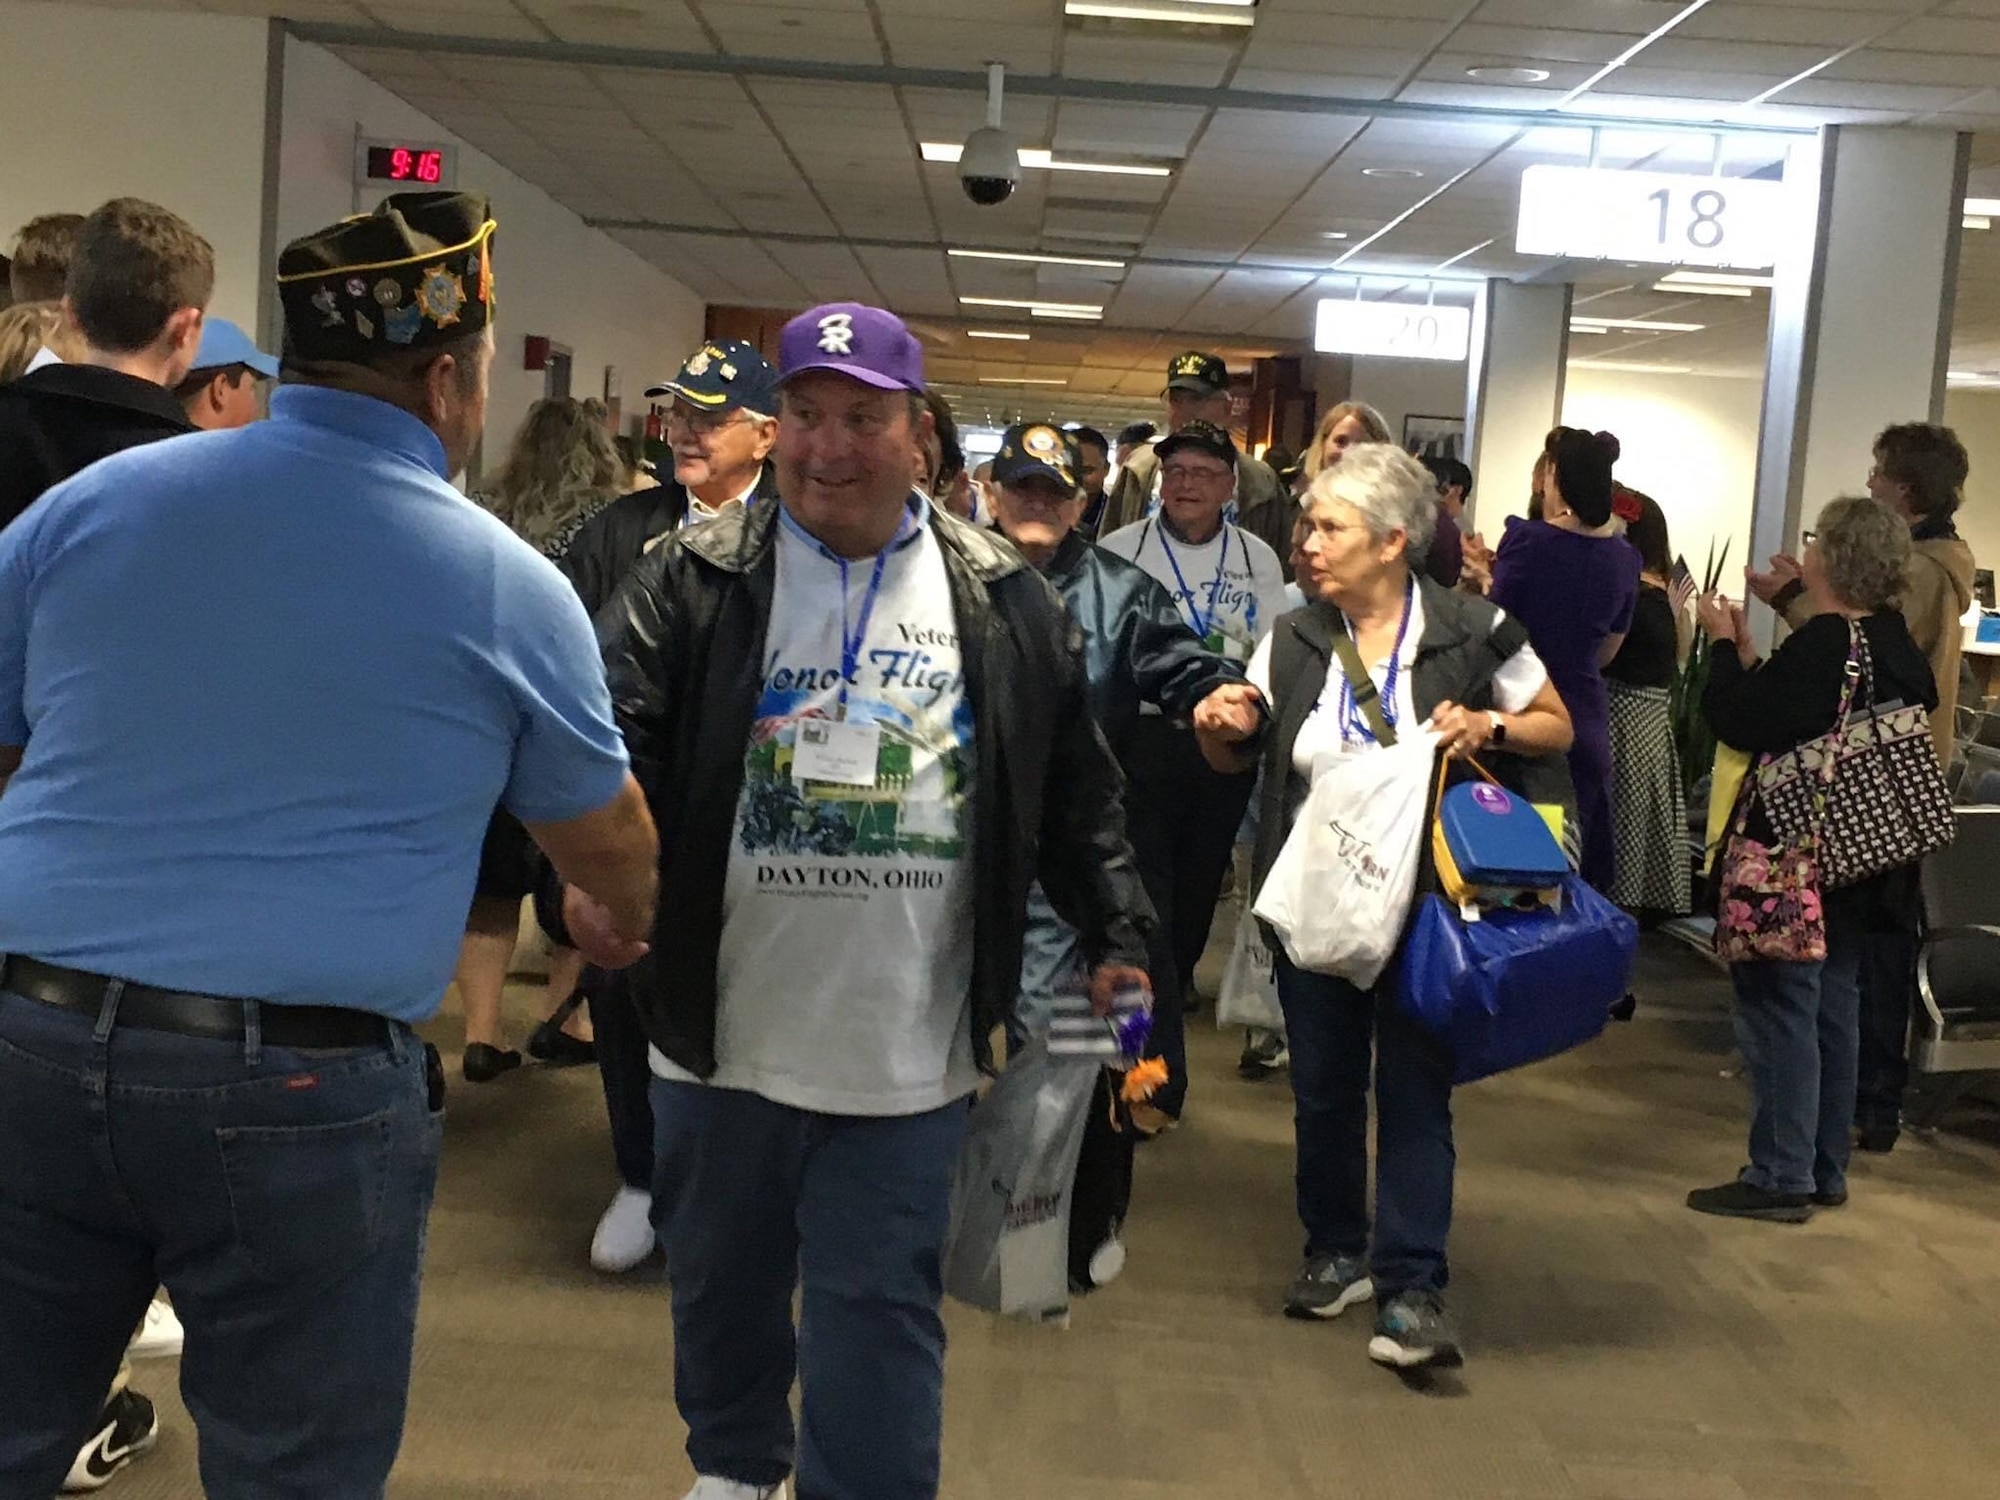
x=1333, y=234
x=1399, y=174
x=1036, y=156
x=1975, y=221
x=1038, y=260
x=1983, y=208
x=1641, y=325
x=1192, y=13
x=996, y=333
x=1631, y=367
x=1069, y=309
x=1020, y=380
x=1496, y=73
x=1078, y=316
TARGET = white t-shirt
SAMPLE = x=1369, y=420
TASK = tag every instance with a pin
x=845, y=972
x=1325, y=734
x=1229, y=589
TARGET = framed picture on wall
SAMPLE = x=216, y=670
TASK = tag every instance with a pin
x=1434, y=437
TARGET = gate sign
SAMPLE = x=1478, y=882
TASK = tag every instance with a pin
x=1399, y=330
x=1662, y=218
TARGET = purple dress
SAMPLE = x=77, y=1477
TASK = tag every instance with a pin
x=1572, y=592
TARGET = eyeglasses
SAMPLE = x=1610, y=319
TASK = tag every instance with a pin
x=1808, y=538
x=1208, y=475
x=701, y=423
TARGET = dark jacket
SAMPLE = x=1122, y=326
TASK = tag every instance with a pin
x=1136, y=647
x=61, y=419
x=602, y=553
x=684, y=651
x=1460, y=650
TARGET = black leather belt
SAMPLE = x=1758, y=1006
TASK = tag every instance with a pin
x=151, y=1009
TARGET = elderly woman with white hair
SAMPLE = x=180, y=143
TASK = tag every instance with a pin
x=1431, y=657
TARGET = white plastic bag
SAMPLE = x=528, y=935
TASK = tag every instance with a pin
x=1249, y=995
x=1339, y=892
x=1008, y=1249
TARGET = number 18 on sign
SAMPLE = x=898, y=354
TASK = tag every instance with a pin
x=1664, y=218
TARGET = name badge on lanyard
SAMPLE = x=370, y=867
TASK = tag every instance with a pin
x=835, y=751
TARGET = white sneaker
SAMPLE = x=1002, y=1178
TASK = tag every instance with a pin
x=624, y=1235
x=160, y=1336
x=710, y=1488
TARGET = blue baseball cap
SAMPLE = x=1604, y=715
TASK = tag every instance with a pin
x=224, y=344
x=721, y=374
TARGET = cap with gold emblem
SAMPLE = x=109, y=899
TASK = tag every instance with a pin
x=721, y=374
x=1204, y=374
x=416, y=273
x=1035, y=450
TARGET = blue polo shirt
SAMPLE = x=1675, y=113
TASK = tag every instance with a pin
x=270, y=684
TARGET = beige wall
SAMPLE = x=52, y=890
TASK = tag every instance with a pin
x=1975, y=416
x=169, y=107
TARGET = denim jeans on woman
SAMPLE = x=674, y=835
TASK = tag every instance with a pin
x=280, y=1194
x=1798, y=1026
x=1331, y=1026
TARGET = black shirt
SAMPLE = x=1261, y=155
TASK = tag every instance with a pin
x=60, y=419
x=1793, y=697
x=1652, y=646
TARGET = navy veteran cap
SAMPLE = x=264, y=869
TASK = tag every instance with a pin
x=416, y=273
x=1204, y=437
x=724, y=373
x=1035, y=450
x=1195, y=371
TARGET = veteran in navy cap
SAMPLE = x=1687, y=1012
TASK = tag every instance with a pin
x=866, y=724
x=280, y=677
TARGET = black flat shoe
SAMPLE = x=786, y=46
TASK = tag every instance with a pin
x=1742, y=1200
x=1835, y=1199
x=483, y=1064
x=550, y=1044
x=1625, y=1009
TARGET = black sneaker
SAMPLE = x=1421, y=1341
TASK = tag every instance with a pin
x=483, y=1064
x=1414, y=1332
x=549, y=1043
x=1264, y=1053
x=1745, y=1200
x=127, y=1427
x=1834, y=1198
x=1877, y=1139
x=1327, y=1285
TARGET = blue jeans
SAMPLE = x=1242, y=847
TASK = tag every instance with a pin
x=754, y=1200
x=1798, y=1026
x=1330, y=1025
x=279, y=1194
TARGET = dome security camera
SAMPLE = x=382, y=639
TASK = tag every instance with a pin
x=989, y=166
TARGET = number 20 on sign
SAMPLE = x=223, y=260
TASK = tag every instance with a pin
x=1661, y=218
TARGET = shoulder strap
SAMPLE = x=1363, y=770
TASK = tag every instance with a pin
x=1366, y=698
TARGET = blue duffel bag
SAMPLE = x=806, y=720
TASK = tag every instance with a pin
x=1515, y=987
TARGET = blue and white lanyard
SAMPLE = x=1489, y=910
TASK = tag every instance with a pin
x=1353, y=726
x=1203, y=623
x=851, y=640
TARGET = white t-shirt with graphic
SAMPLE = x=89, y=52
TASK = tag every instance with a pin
x=845, y=971
x=1229, y=589
x=1326, y=733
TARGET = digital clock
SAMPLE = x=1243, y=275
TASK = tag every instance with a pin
x=404, y=164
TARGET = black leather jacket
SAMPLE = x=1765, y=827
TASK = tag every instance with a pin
x=1136, y=647
x=684, y=644
x=603, y=552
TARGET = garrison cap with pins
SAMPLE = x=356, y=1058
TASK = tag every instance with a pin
x=721, y=374
x=414, y=274
x=1035, y=450
x=1205, y=374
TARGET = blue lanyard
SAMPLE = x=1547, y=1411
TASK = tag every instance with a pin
x=851, y=640
x=1352, y=725
x=1202, y=623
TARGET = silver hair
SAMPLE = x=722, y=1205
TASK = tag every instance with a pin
x=1863, y=549
x=1391, y=490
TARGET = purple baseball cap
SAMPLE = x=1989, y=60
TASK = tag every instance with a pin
x=852, y=339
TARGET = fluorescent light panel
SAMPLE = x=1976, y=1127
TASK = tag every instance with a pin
x=1039, y=157
x=1038, y=260
x=997, y=333
x=1117, y=10
x=1022, y=380
x=1679, y=279
x=1632, y=367
x=1078, y=316
x=1642, y=325
x=1073, y=309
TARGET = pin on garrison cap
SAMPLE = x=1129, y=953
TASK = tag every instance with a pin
x=1203, y=437
x=1035, y=450
x=414, y=274
x=1204, y=374
x=721, y=374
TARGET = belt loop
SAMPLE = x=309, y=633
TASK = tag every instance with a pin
x=107, y=1014
x=253, y=1033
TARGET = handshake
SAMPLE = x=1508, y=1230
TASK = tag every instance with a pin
x=1224, y=720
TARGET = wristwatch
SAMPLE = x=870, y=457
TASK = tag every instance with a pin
x=1499, y=727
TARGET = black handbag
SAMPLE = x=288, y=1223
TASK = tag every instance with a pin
x=1886, y=801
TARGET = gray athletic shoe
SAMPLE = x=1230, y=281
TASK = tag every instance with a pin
x=1327, y=1285
x=1413, y=1330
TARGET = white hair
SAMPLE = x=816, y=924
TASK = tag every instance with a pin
x=1390, y=490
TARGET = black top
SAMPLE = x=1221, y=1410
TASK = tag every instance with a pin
x=1793, y=697
x=607, y=545
x=60, y=419
x=1652, y=648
